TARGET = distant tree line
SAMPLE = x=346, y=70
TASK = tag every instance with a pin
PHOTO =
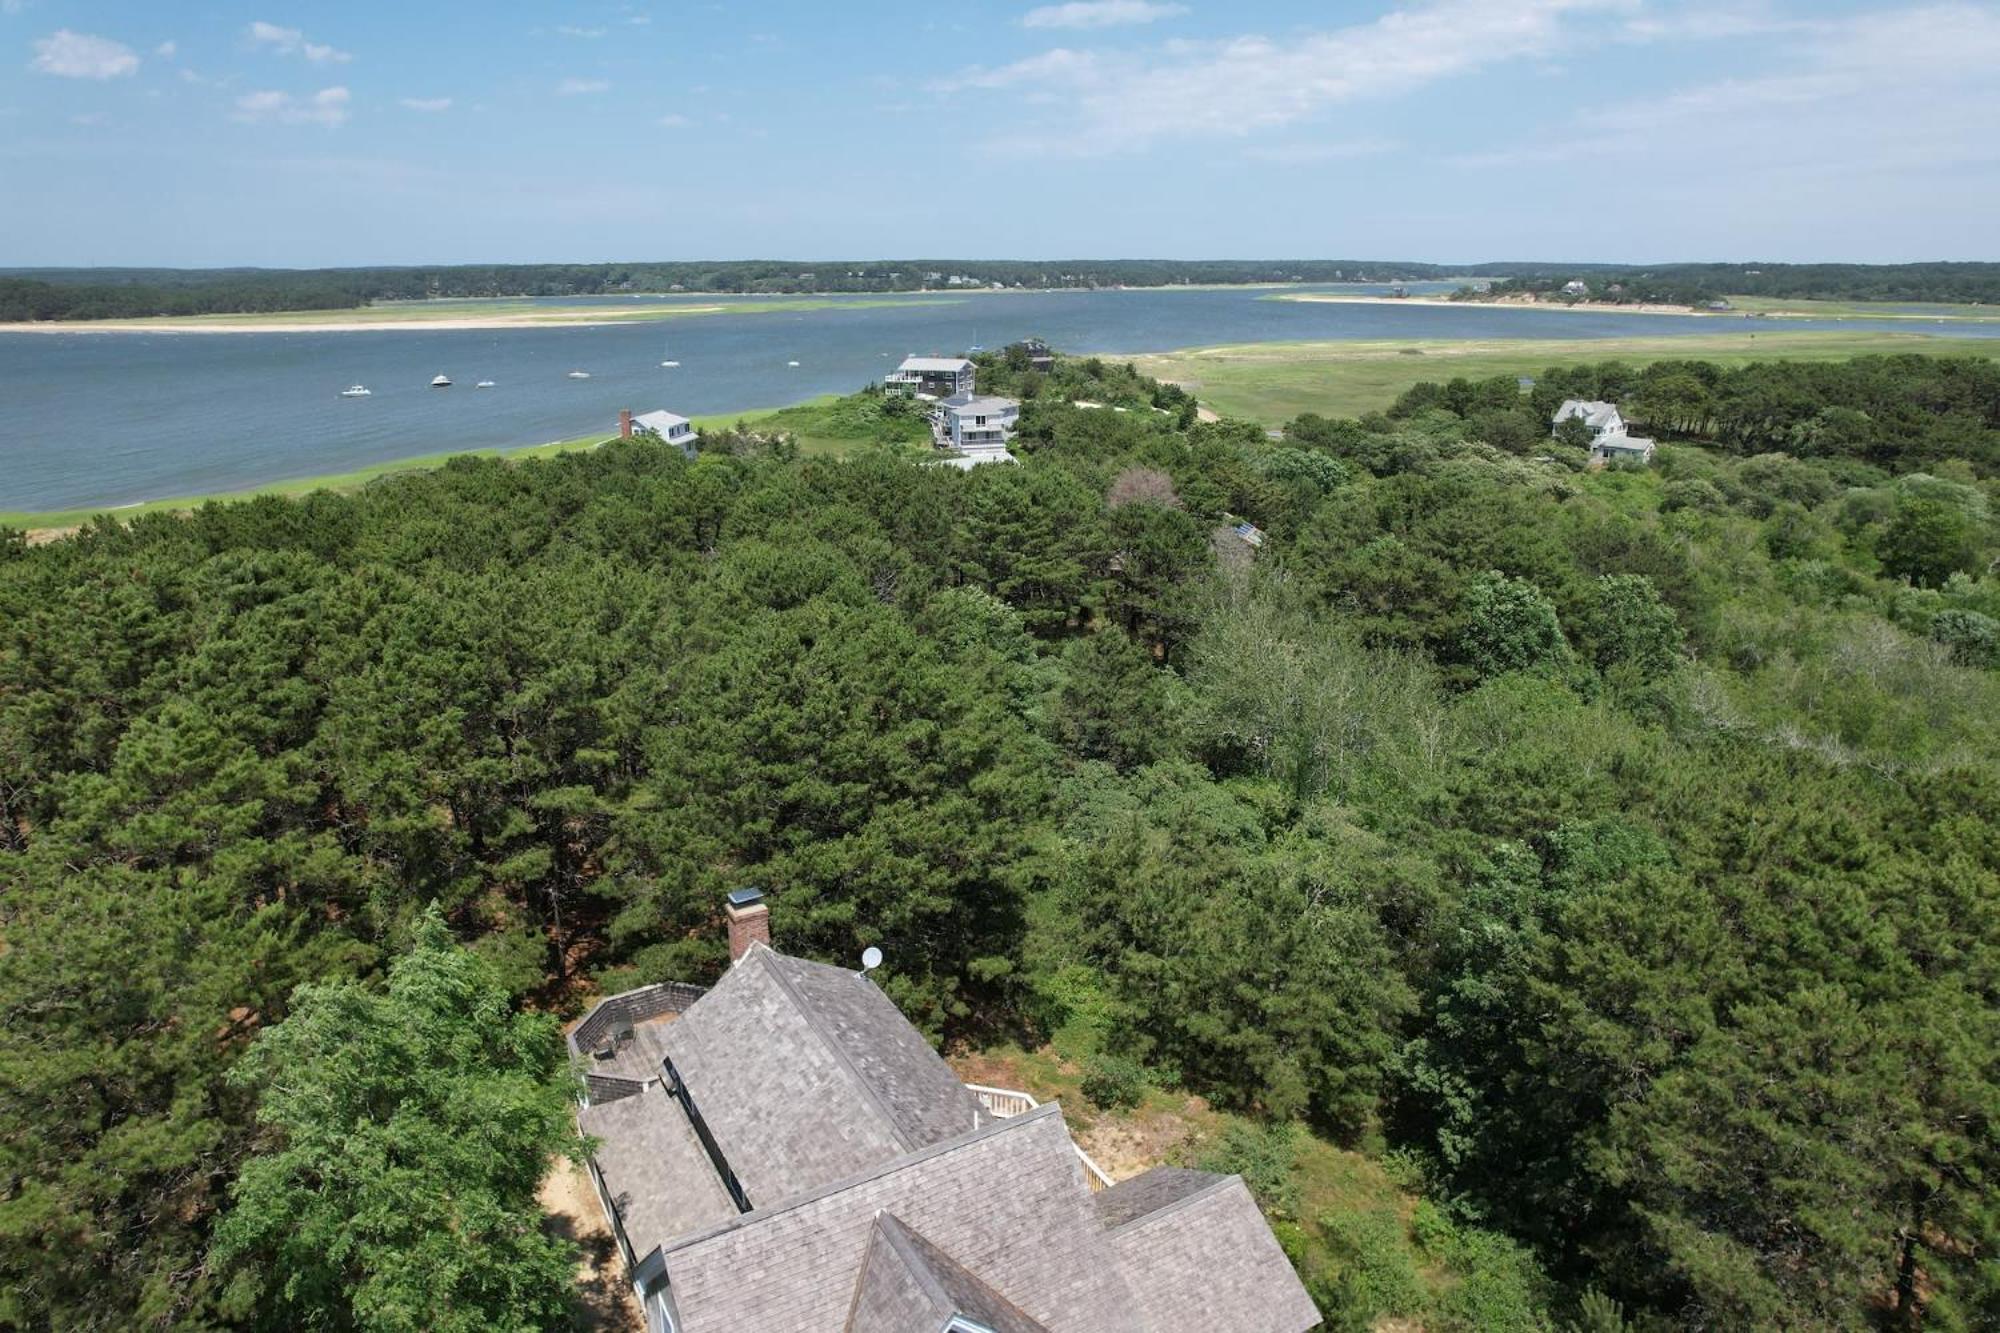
x=48, y=294
x=1699, y=284
x=54, y=294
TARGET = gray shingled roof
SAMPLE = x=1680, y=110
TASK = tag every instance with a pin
x=909, y=1285
x=807, y=1074
x=1148, y=1192
x=1006, y=1202
x=654, y=1168
x=1206, y=1259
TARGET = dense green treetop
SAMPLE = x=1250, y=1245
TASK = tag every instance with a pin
x=1614, y=849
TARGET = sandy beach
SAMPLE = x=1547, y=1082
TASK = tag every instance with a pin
x=1335, y=298
x=202, y=324
x=1606, y=308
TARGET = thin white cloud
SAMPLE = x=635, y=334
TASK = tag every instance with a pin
x=582, y=87
x=568, y=30
x=327, y=107
x=1305, y=154
x=673, y=120
x=428, y=105
x=167, y=50
x=1235, y=88
x=1889, y=92
x=292, y=42
x=78, y=55
x=1100, y=14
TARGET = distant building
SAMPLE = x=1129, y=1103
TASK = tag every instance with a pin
x=1038, y=353
x=1720, y=305
x=1622, y=449
x=1602, y=418
x=932, y=376
x=784, y=1153
x=666, y=427
x=970, y=425
x=1576, y=288
x=1609, y=440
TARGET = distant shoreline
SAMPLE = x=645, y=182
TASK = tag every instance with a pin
x=446, y=324
x=456, y=318
x=1846, y=311
x=1333, y=298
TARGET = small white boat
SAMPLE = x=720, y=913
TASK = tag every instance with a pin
x=356, y=391
x=579, y=374
x=441, y=382
x=670, y=364
x=791, y=363
x=483, y=384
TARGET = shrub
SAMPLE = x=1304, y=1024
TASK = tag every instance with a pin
x=1113, y=1082
x=1377, y=1264
x=1974, y=639
x=1265, y=1157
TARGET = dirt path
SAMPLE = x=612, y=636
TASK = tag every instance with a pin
x=605, y=1296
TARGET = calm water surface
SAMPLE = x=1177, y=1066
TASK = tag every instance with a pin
x=108, y=419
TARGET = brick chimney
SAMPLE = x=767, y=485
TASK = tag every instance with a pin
x=749, y=921
x=624, y=423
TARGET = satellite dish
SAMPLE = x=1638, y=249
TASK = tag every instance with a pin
x=871, y=958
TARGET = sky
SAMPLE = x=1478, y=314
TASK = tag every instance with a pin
x=286, y=133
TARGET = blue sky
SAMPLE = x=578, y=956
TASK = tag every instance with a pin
x=289, y=133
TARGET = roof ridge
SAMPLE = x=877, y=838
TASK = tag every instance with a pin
x=832, y=1043
x=972, y=1138
x=1175, y=1205
x=898, y=1236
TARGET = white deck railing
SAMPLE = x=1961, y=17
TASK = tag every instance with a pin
x=1003, y=1103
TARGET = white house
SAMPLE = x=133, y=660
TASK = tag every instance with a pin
x=666, y=427
x=1609, y=440
x=1602, y=418
x=970, y=424
x=1576, y=288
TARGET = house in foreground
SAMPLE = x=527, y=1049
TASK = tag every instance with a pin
x=665, y=427
x=932, y=377
x=785, y=1153
x=1610, y=441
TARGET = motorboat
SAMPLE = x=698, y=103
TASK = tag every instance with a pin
x=356, y=391
x=670, y=364
x=441, y=382
x=579, y=374
x=791, y=363
x=483, y=384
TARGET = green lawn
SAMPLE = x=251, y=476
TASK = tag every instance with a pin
x=1274, y=382
x=347, y=481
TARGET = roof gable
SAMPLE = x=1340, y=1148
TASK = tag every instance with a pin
x=806, y=1074
x=908, y=1285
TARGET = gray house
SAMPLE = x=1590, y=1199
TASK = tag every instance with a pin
x=784, y=1153
x=932, y=376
